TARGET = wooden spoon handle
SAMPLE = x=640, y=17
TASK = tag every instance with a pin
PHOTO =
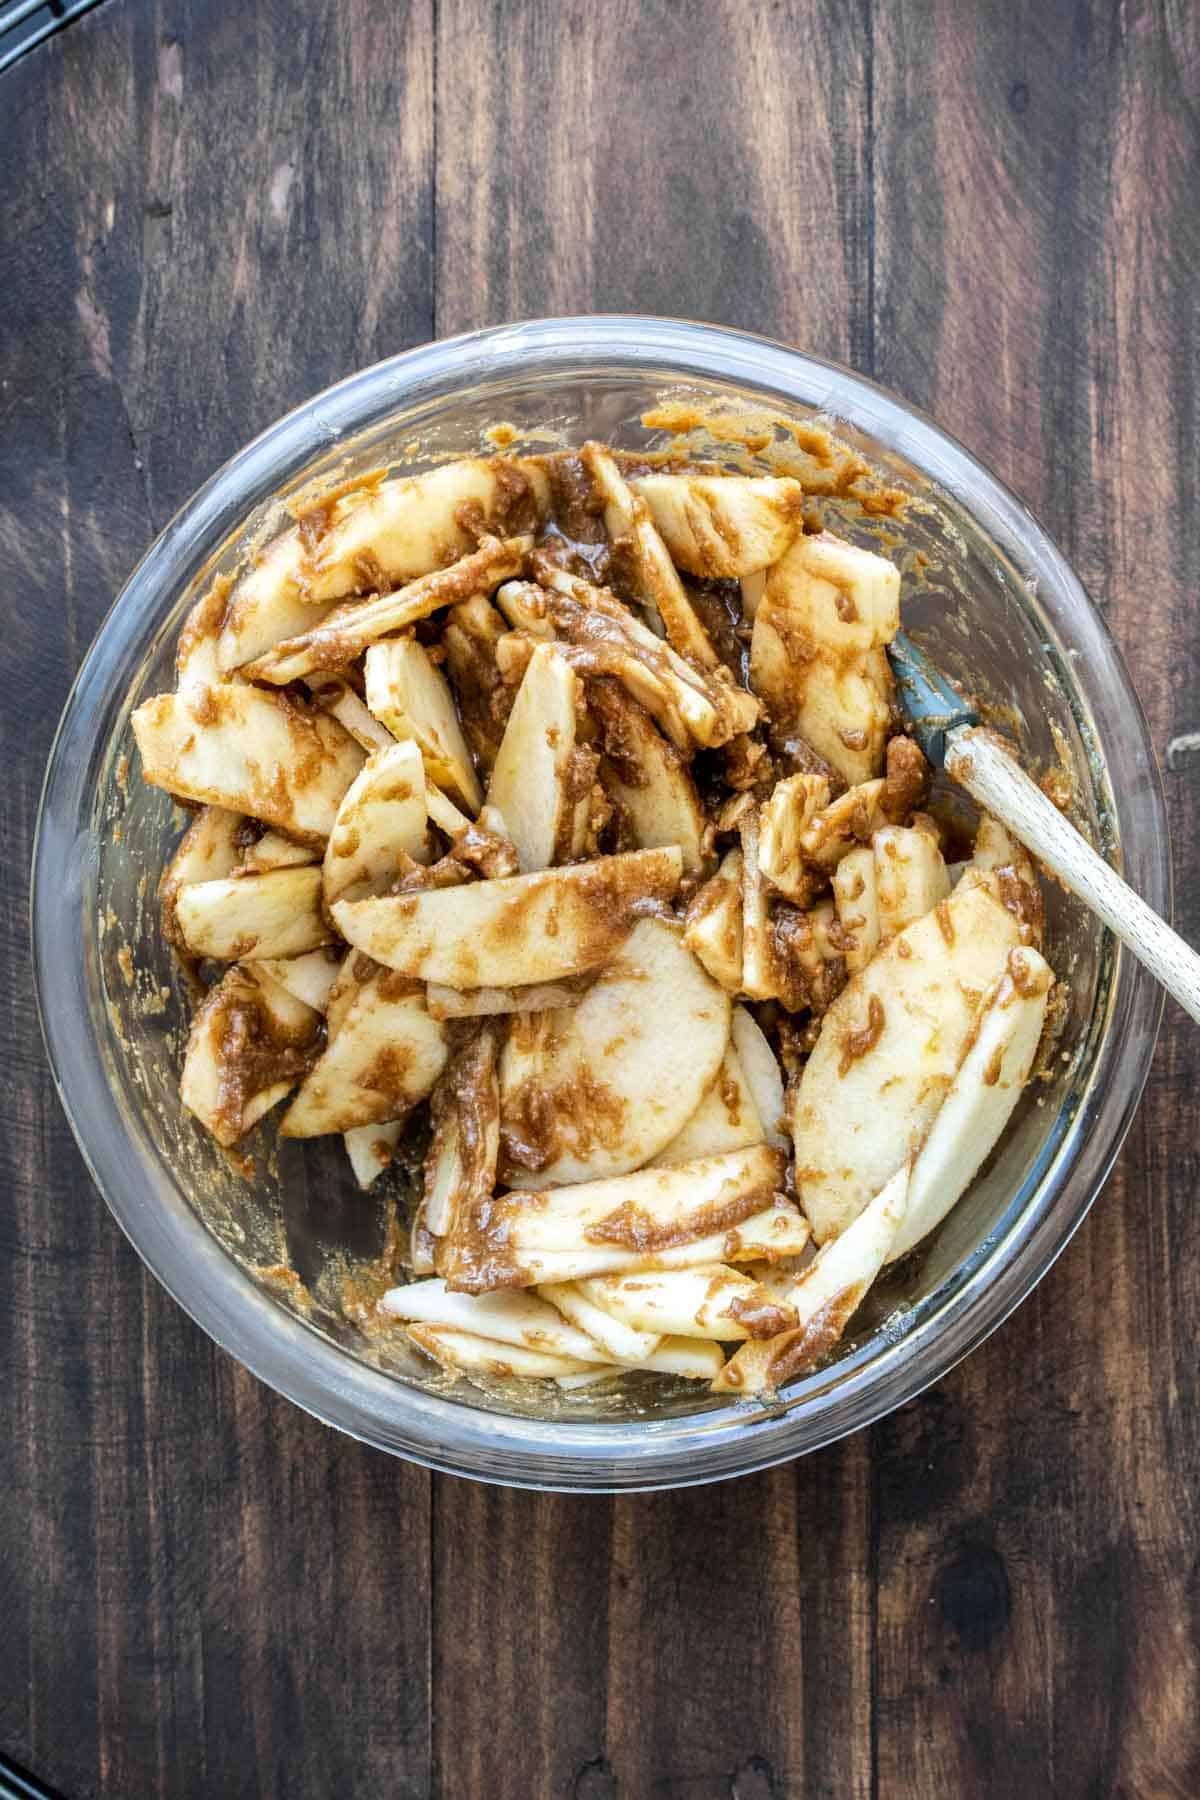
x=997, y=782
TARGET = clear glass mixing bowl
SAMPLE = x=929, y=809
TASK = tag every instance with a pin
x=997, y=605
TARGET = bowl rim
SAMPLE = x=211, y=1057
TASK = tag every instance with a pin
x=381, y=1409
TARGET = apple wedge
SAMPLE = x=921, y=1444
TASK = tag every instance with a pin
x=712, y=1301
x=481, y=1003
x=713, y=924
x=333, y=696
x=383, y=1056
x=856, y=900
x=523, y=605
x=618, y=1340
x=816, y=656
x=381, y=821
x=824, y=1297
x=408, y=692
x=196, y=663
x=853, y=818
x=889, y=1048
x=530, y=783
x=370, y=1149
x=267, y=606
x=774, y=1234
x=471, y=638
x=981, y=1097
x=726, y=1119
x=614, y=1079
x=345, y=633
x=246, y=916
x=263, y=754
x=651, y=573
x=647, y=1212
x=646, y=775
x=910, y=876
x=762, y=1076
x=512, y=1316
x=249, y=1045
x=208, y=850
x=723, y=527
x=786, y=815
x=274, y=851
x=468, y=1354
x=516, y=930
x=460, y=1169
x=308, y=977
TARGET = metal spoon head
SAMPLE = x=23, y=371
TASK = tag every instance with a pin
x=932, y=708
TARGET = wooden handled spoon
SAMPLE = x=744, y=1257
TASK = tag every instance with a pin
x=952, y=737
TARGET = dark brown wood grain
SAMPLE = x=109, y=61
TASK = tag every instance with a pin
x=210, y=210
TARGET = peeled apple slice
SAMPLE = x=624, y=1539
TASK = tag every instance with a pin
x=246, y=916
x=910, y=876
x=514, y=930
x=726, y=1118
x=709, y=1302
x=508, y=1317
x=761, y=1070
x=774, y=1234
x=889, y=1049
x=384, y=1055
x=249, y=1044
x=617, y=1339
x=274, y=851
x=408, y=692
x=824, y=1297
x=530, y=781
x=370, y=1148
x=380, y=821
x=723, y=527
x=816, y=656
x=713, y=925
x=237, y=747
x=309, y=977
x=618, y=1076
x=647, y=776
x=982, y=1096
x=470, y=1354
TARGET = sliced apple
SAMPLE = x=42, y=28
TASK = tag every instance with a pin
x=249, y=1045
x=762, y=1075
x=775, y=1234
x=480, y=1003
x=380, y=822
x=460, y=1170
x=856, y=899
x=786, y=815
x=646, y=775
x=471, y=638
x=981, y=1097
x=618, y=1340
x=726, y=1119
x=888, y=1051
x=383, y=1057
x=647, y=1212
x=409, y=693
x=530, y=783
x=246, y=916
x=469, y=1354
x=370, y=1149
x=723, y=527
x=309, y=977
x=333, y=695
x=816, y=656
x=267, y=605
x=510, y=1317
x=712, y=1301
x=209, y=849
x=652, y=574
x=274, y=851
x=713, y=924
x=824, y=1297
x=345, y=633
x=524, y=606
x=237, y=747
x=910, y=876
x=196, y=663
x=618, y=1076
x=517, y=930
x=694, y=1358
x=853, y=818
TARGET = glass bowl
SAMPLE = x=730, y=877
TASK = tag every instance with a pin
x=262, y=1264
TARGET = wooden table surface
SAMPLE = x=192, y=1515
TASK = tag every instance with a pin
x=210, y=209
